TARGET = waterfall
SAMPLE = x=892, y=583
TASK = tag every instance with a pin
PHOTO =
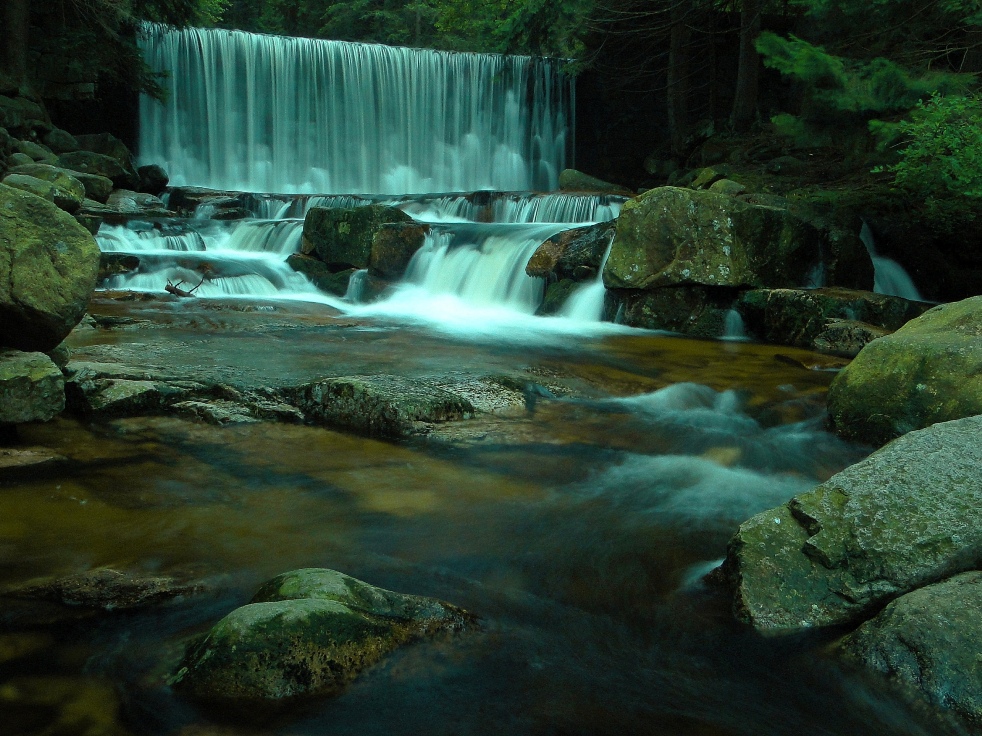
x=586, y=304
x=889, y=277
x=260, y=113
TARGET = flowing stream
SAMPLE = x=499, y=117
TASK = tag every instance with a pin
x=576, y=515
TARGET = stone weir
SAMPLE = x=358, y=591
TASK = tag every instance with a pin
x=276, y=114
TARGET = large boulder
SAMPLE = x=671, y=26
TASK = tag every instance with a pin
x=377, y=237
x=380, y=405
x=575, y=254
x=808, y=318
x=96, y=187
x=333, y=282
x=38, y=187
x=678, y=237
x=108, y=145
x=22, y=116
x=307, y=632
x=35, y=151
x=908, y=516
x=48, y=269
x=930, y=370
x=60, y=141
x=69, y=192
x=88, y=162
x=153, y=179
x=32, y=387
x=928, y=642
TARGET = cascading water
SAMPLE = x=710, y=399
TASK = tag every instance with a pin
x=261, y=113
x=889, y=277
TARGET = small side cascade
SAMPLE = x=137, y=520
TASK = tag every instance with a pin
x=483, y=265
x=355, y=292
x=586, y=304
x=889, y=277
x=733, y=327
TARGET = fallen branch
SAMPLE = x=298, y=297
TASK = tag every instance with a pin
x=176, y=289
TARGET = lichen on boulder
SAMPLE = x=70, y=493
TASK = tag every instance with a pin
x=307, y=632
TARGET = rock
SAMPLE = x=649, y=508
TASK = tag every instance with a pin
x=571, y=180
x=96, y=187
x=91, y=395
x=379, y=405
x=185, y=200
x=124, y=205
x=48, y=268
x=321, y=276
x=907, y=516
x=307, y=632
x=930, y=370
x=38, y=187
x=107, y=144
x=32, y=388
x=728, y=187
x=379, y=237
x=60, y=141
x=87, y=162
x=115, y=264
x=35, y=151
x=708, y=176
x=69, y=191
x=22, y=117
x=674, y=237
x=825, y=319
x=787, y=165
x=105, y=589
x=28, y=458
x=20, y=159
x=697, y=311
x=231, y=213
x=556, y=296
x=928, y=642
x=574, y=254
x=153, y=179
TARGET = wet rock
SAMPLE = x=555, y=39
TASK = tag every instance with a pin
x=22, y=117
x=380, y=405
x=307, y=632
x=377, y=236
x=574, y=254
x=48, y=269
x=696, y=311
x=32, y=387
x=153, y=179
x=321, y=276
x=185, y=200
x=19, y=458
x=114, y=264
x=908, y=516
x=705, y=178
x=124, y=205
x=728, y=187
x=69, y=192
x=826, y=319
x=105, y=589
x=675, y=237
x=928, y=643
x=244, y=410
x=556, y=296
x=571, y=180
x=930, y=370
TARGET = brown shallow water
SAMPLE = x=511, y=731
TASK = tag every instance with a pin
x=577, y=529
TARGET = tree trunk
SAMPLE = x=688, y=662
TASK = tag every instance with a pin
x=14, y=39
x=678, y=76
x=748, y=69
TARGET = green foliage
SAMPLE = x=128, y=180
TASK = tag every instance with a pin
x=941, y=162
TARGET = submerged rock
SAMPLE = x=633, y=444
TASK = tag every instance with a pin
x=679, y=237
x=927, y=371
x=928, y=642
x=380, y=405
x=48, y=269
x=32, y=387
x=105, y=589
x=907, y=516
x=307, y=632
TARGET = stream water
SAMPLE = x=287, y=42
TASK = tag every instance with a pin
x=578, y=524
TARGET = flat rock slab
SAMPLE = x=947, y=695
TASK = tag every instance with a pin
x=907, y=516
x=380, y=406
x=930, y=370
x=928, y=642
x=12, y=458
x=104, y=589
x=32, y=387
x=307, y=632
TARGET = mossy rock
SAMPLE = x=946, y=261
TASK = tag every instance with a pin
x=675, y=237
x=320, y=275
x=69, y=190
x=907, y=516
x=928, y=371
x=48, y=269
x=696, y=311
x=32, y=387
x=573, y=255
x=380, y=237
x=307, y=632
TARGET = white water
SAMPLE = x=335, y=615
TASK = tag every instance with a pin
x=889, y=277
x=259, y=113
x=586, y=304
